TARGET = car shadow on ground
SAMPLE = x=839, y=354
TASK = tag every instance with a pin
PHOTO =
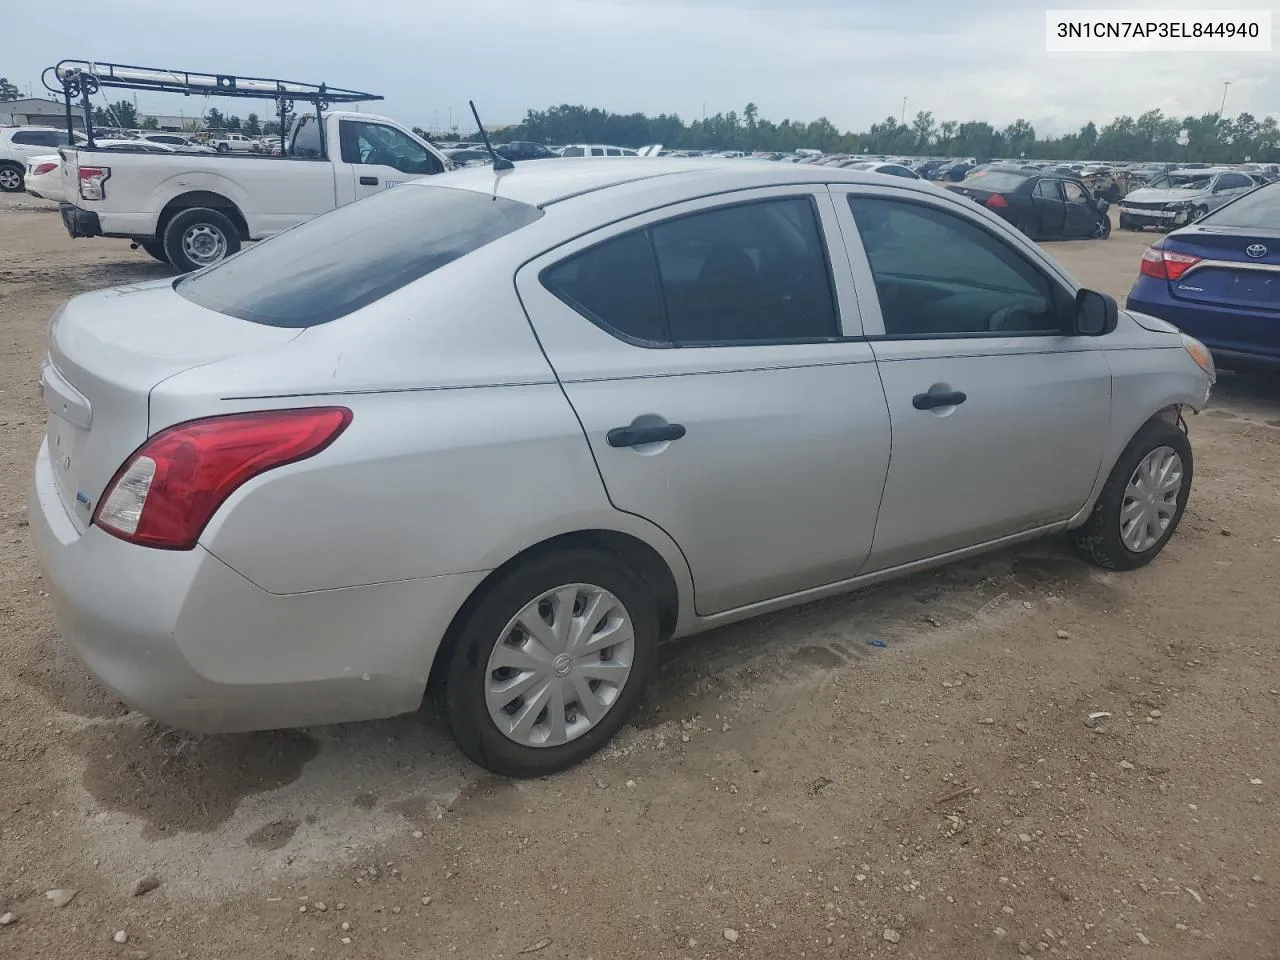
x=146, y=770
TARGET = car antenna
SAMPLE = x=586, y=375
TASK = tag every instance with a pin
x=499, y=162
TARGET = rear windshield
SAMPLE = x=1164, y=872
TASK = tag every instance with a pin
x=997, y=180
x=337, y=263
x=1259, y=210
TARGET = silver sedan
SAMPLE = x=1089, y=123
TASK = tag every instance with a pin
x=492, y=438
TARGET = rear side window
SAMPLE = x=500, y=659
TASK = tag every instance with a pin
x=339, y=262
x=749, y=273
x=572, y=152
x=1259, y=210
x=42, y=138
x=306, y=138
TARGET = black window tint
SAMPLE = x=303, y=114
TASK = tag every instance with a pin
x=306, y=138
x=615, y=285
x=337, y=263
x=1254, y=211
x=42, y=138
x=940, y=274
x=572, y=152
x=751, y=272
x=1230, y=181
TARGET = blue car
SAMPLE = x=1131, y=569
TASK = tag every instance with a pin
x=1218, y=279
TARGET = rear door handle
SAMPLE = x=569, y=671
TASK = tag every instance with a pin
x=368, y=181
x=931, y=401
x=637, y=436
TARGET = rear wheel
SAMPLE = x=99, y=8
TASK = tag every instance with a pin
x=198, y=237
x=10, y=178
x=155, y=248
x=1142, y=502
x=550, y=663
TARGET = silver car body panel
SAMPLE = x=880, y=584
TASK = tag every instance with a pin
x=322, y=590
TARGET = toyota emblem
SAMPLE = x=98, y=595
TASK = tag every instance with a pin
x=1256, y=250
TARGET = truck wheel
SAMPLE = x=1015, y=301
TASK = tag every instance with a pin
x=223, y=148
x=199, y=237
x=10, y=178
x=155, y=248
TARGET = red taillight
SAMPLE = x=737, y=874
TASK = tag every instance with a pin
x=1165, y=264
x=166, y=492
x=996, y=202
x=93, y=182
x=44, y=167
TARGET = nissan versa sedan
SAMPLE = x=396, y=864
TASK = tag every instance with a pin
x=1219, y=279
x=491, y=438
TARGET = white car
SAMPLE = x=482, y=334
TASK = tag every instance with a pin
x=234, y=143
x=18, y=145
x=43, y=178
x=191, y=210
x=605, y=150
x=175, y=140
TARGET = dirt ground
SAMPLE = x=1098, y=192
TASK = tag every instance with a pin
x=790, y=790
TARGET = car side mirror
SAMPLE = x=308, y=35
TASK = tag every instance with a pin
x=1096, y=313
x=1103, y=206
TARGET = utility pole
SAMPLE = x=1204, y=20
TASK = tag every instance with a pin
x=1226, y=84
x=704, y=113
x=904, y=111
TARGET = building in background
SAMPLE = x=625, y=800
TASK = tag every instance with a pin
x=38, y=112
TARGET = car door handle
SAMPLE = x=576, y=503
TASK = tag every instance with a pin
x=368, y=181
x=931, y=401
x=636, y=436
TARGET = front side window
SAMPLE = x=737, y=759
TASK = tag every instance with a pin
x=1075, y=193
x=376, y=143
x=748, y=273
x=940, y=274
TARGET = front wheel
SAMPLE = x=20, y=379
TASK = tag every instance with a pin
x=1104, y=228
x=550, y=663
x=1142, y=502
x=199, y=237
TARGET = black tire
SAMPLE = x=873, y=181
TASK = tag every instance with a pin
x=1099, y=540
x=155, y=248
x=223, y=148
x=10, y=178
x=217, y=224
x=1198, y=212
x=1104, y=228
x=462, y=696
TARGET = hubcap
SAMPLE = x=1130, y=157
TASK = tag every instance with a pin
x=10, y=179
x=560, y=665
x=1151, y=499
x=204, y=243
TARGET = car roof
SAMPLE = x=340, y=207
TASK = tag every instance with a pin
x=552, y=181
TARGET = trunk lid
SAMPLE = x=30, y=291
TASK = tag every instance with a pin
x=1235, y=277
x=107, y=351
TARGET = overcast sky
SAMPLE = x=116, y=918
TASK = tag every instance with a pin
x=849, y=60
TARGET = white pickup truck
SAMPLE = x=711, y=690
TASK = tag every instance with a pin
x=192, y=210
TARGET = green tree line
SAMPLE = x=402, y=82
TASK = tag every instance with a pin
x=1208, y=138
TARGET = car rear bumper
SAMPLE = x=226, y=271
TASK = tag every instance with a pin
x=80, y=223
x=1229, y=332
x=185, y=639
